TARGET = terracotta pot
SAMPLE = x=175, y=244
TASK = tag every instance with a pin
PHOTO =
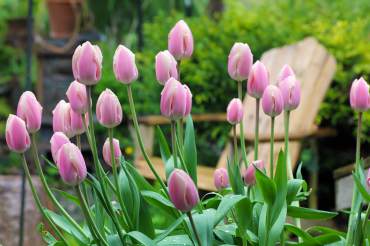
x=63, y=15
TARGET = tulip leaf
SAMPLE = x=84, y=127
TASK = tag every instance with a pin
x=140, y=237
x=294, y=185
x=226, y=204
x=299, y=233
x=176, y=240
x=170, y=229
x=163, y=145
x=235, y=179
x=360, y=187
x=190, y=149
x=309, y=213
x=266, y=186
x=204, y=226
x=140, y=181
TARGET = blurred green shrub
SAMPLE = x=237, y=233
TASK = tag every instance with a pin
x=342, y=26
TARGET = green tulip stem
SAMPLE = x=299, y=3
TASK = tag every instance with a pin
x=90, y=221
x=173, y=141
x=256, y=129
x=355, y=196
x=38, y=201
x=241, y=125
x=78, y=141
x=272, y=147
x=115, y=178
x=194, y=228
x=47, y=188
x=236, y=156
x=367, y=214
x=139, y=138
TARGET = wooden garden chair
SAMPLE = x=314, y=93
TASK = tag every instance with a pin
x=314, y=67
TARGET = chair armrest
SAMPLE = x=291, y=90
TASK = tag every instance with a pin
x=161, y=120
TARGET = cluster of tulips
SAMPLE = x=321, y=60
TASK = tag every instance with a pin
x=250, y=207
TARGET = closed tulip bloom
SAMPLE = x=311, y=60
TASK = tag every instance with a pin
x=87, y=63
x=174, y=100
x=62, y=118
x=56, y=142
x=272, y=101
x=182, y=190
x=107, y=152
x=124, y=66
x=165, y=67
x=250, y=174
x=235, y=111
x=77, y=125
x=221, y=178
x=30, y=110
x=180, y=41
x=285, y=72
x=240, y=61
x=71, y=164
x=359, y=95
x=16, y=134
x=108, y=109
x=291, y=91
x=258, y=80
x=189, y=97
x=77, y=97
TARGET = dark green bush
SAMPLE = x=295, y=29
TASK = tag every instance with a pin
x=342, y=26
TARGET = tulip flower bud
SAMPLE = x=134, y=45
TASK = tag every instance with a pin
x=108, y=109
x=62, y=118
x=124, y=66
x=107, y=152
x=258, y=80
x=71, y=164
x=272, y=101
x=30, y=110
x=87, y=63
x=359, y=95
x=235, y=111
x=182, y=190
x=77, y=125
x=77, y=97
x=291, y=91
x=188, y=100
x=175, y=99
x=180, y=41
x=250, y=174
x=221, y=178
x=165, y=67
x=56, y=142
x=17, y=137
x=240, y=61
x=285, y=72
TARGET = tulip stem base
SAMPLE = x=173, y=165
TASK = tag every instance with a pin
x=242, y=138
x=194, y=228
x=38, y=201
x=256, y=129
x=139, y=138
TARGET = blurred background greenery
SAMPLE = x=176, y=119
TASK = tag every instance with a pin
x=342, y=26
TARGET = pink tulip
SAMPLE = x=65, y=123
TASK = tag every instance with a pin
x=124, y=66
x=56, y=142
x=258, y=80
x=71, y=164
x=108, y=109
x=87, y=63
x=16, y=135
x=240, y=61
x=235, y=111
x=62, y=118
x=221, y=178
x=77, y=125
x=359, y=95
x=180, y=41
x=175, y=99
x=107, y=152
x=272, y=101
x=165, y=67
x=182, y=190
x=30, y=110
x=250, y=173
x=291, y=91
x=285, y=72
x=77, y=97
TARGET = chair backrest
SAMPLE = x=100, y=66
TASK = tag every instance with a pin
x=314, y=67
